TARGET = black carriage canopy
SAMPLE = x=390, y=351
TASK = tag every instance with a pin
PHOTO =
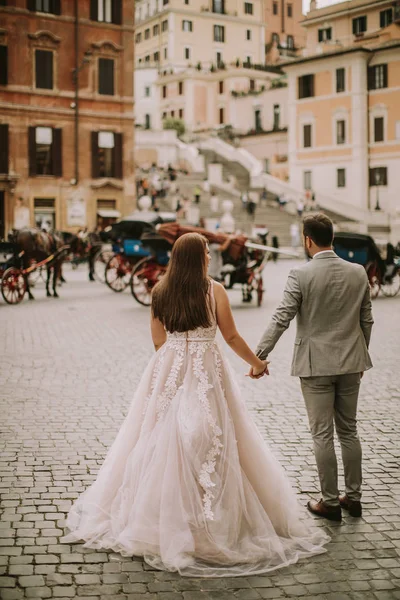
x=359, y=247
x=135, y=225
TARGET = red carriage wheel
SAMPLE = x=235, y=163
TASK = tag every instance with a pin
x=260, y=291
x=13, y=286
x=144, y=277
x=118, y=273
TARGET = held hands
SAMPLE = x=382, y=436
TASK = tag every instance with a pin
x=260, y=371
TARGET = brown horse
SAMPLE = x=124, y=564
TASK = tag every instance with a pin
x=35, y=245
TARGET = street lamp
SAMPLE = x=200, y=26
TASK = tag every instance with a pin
x=377, y=182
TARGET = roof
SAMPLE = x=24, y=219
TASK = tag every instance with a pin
x=388, y=45
x=338, y=9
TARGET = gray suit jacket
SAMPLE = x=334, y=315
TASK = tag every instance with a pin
x=331, y=300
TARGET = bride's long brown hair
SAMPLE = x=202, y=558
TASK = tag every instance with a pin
x=181, y=299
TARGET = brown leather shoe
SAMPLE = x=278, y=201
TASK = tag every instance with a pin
x=332, y=513
x=353, y=507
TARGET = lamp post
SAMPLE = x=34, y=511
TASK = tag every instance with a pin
x=377, y=182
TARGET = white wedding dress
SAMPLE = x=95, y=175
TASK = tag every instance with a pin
x=189, y=483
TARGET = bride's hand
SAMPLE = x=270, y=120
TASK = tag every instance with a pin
x=260, y=370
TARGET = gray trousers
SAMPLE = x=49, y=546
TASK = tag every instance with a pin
x=332, y=400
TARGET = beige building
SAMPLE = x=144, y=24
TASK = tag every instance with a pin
x=344, y=111
x=177, y=34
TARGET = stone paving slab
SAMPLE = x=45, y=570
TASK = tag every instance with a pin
x=68, y=371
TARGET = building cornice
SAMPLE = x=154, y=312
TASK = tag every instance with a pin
x=163, y=15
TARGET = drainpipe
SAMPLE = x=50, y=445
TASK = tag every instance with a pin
x=76, y=82
x=283, y=16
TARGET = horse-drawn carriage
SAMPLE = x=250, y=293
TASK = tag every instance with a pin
x=243, y=261
x=383, y=273
x=28, y=251
x=127, y=246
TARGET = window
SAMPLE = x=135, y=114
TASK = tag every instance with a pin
x=147, y=92
x=277, y=116
x=289, y=10
x=359, y=25
x=377, y=77
x=44, y=213
x=307, y=134
x=106, y=154
x=340, y=80
x=306, y=86
x=156, y=57
x=187, y=25
x=307, y=180
x=257, y=120
x=247, y=62
x=248, y=8
x=3, y=65
x=186, y=1
x=180, y=88
x=147, y=121
x=107, y=11
x=378, y=176
x=341, y=132
x=221, y=116
x=187, y=53
x=106, y=76
x=147, y=58
x=252, y=85
x=164, y=115
x=378, y=129
x=180, y=113
x=3, y=148
x=219, y=33
x=164, y=26
x=156, y=30
x=172, y=114
x=324, y=35
x=274, y=8
x=248, y=34
x=341, y=178
x=221, y=87
x=165, y=52
x=290, y=42
x=218, y=6
x=147, y=34
x=164, y=91
x=165, y=2
x=386, y=17
x=219, y=59
x=52, y=7
x=138, y=38
x=44, y=69
x=45, y=151
x=275, y=38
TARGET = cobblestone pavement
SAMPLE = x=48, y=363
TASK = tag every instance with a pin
x=68, y=370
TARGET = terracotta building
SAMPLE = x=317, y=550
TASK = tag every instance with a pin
x=344, y=112
x=66, y=112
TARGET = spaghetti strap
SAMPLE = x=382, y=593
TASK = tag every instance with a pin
x=212, y=300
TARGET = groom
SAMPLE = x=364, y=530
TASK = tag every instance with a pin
x=331, y=300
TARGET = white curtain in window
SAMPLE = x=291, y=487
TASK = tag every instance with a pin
x=44, y=135
x=106, y=139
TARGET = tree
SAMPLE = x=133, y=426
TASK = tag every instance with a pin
x=177, y=124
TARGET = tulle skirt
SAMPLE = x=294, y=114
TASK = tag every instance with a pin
x=189, y=484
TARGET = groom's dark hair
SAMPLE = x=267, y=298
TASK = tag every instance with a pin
x=319, y=228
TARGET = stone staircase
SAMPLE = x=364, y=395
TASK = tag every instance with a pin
x=276, y=221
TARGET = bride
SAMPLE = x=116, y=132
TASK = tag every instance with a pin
x=189, y=483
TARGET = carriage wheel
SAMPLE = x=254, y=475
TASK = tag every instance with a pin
x=144, y=277
x=13, y=286
x=260, y=291
x=374, y=280
x=118, y=273
x=101, y=259
x=392, y=288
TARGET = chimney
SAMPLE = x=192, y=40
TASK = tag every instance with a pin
x=313, y=5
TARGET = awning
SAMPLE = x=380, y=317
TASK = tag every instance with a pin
x=109, y=212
